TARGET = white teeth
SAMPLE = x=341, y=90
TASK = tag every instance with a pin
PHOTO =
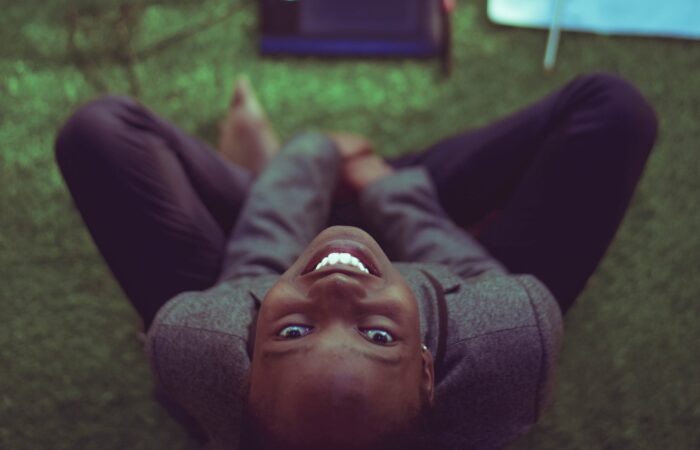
x=343, y=258
x=322, y=263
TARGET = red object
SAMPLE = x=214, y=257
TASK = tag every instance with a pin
x=449, y=5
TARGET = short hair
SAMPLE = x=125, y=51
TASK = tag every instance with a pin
x=413, y=433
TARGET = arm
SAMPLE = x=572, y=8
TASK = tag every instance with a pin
x=287, y=206
x=504, y=339
x=404, y=211
x=198, y=351
x=550, y=328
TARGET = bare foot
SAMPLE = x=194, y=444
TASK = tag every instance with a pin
x=246, y=136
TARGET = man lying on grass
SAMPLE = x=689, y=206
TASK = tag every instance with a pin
x=316, y=296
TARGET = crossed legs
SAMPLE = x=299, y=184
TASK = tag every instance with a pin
x=559, y=174
x=157, y=202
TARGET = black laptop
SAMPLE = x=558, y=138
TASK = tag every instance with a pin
x=403, y=28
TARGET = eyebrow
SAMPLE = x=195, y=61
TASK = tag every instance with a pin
x=281, y=353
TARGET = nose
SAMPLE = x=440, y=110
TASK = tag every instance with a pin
x=337, y=290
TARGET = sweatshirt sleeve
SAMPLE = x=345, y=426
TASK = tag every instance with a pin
x=287, y=206
x=404, y=212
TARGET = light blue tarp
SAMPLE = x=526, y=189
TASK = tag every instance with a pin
x=670, y=18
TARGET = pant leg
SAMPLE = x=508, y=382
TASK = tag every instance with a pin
x=158, y=203
x=560, y=172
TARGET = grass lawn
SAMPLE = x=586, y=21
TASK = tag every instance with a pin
x=72, y=373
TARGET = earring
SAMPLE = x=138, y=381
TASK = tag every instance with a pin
x=425, y=349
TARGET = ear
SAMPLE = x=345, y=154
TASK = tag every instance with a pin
x=428, y=376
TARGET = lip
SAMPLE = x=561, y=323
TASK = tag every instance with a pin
x=356, y=249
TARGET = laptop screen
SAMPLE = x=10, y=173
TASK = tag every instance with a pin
x=365, y=17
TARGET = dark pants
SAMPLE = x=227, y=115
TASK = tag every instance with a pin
x=543, y=189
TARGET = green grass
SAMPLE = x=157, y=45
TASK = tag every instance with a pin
x=72, y=374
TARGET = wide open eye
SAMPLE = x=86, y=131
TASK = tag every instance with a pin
x=379, y=336
x=293, y=331
x=376, y=335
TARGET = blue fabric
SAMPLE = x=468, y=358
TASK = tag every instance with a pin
x=672, y=18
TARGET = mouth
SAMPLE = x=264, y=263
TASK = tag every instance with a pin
x=344, y=256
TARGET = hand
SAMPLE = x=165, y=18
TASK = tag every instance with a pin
x=361, y=166
x=351, y=145
x=360, y=172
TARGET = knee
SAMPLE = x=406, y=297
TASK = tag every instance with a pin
x=624, y=109
x=92, y=127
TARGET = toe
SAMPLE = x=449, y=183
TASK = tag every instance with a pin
x=238, y=97
x=241, y=91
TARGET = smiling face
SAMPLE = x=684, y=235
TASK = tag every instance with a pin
x=337, y=357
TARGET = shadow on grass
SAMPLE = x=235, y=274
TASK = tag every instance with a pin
x=100, y=34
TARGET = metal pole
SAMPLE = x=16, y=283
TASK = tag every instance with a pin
x=550, y=54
